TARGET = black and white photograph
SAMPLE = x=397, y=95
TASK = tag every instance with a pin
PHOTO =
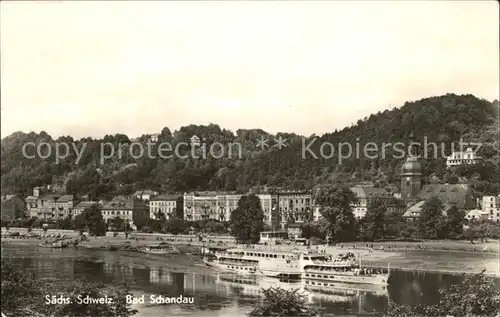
x=250, y=158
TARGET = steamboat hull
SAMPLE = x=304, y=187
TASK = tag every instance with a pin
x=243, y=270
x=374, y=279
x=254, y=269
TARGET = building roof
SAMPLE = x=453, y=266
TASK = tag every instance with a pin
x=367, y=192
x=86, y=204
x=31, y=198
x=65, y=198
x=121, y=204
x=165, y=198
x=411, y=167
x=49, y=197
x=417, y=208
x=458, y=195
x=210, y=194
x=145, y=192
x=478, y=212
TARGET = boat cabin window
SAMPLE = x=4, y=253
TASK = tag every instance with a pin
x=320, y=258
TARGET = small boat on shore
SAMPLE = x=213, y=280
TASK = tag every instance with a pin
x=162, y=248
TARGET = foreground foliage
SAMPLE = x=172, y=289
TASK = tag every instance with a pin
x=477, y=295
x=24, y=295
x=282, y=303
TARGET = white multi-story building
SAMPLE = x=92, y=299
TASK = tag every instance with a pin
x=468, y=157
x=266, y=202
x=145, y=194
x=218, y=205
x=295, y=206
x=125, y=209
x=490, y=205
x=164, y=204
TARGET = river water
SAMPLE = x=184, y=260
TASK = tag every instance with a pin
x=214, y=293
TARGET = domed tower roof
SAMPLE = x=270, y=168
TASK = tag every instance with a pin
x=411, y=167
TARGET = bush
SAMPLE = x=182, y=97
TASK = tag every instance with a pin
x=24, y=295
x=281, y=302
x=477, y=295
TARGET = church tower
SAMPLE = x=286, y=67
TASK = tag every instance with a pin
x=411, y=176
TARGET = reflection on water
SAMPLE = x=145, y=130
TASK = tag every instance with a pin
x=215, y=293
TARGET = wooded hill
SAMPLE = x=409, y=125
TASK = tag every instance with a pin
x=443, y=119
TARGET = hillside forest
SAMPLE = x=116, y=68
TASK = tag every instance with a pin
x=442, y=119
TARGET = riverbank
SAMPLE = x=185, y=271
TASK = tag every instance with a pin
x=438, y=256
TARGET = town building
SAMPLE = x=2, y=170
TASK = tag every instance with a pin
x=165, y=205
x=219, y=205
x=467, y=157
x=49, y=206
x=266, y=202
x=317, y=216
x=364, y=194
x=210, y=205
x=195, y=140
x=294, y=231
x=491, y=206
x=460, y=196
x=79, y=208
x=291, y=207
x=476, y=215
x=126, y=209
x=411, y=178
x=145, y=194
x=13, y=207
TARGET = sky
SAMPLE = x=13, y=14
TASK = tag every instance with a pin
x=95, y=68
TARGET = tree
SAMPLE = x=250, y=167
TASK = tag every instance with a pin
x=410, y=231
x=91, y=219
x=455, y=220
x=175, y=226
x=117, y=224
x=476, y=295
x=431, y=219
x=65, y=223
x=394, y=223
x=314, y=230
x=140, y=216
x=374, y=222
x=160, y=216
x=280, y=302
x=336, y=208
x=247, y=219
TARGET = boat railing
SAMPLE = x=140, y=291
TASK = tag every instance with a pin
x=332, y=263
x=237, y=263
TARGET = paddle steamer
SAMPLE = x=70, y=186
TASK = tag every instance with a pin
x=319, y=269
